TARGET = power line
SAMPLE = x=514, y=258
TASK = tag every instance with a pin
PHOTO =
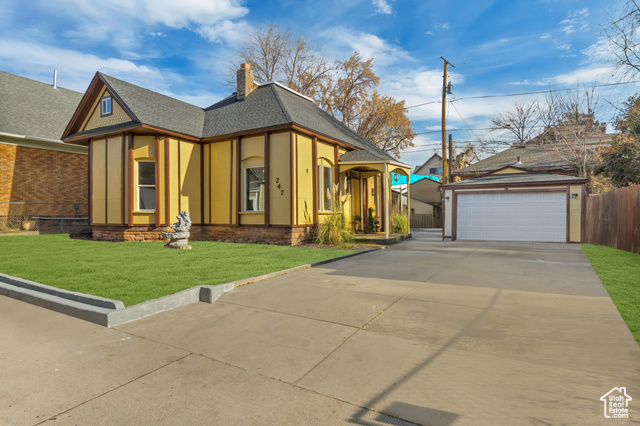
x=520, y=94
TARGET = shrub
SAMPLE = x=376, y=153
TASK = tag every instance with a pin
x=333, y=230
x=373, y=222
x=399, y=224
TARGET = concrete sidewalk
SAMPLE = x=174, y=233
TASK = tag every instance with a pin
x=426, y=331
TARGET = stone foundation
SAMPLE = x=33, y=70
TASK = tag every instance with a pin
x=236, y=234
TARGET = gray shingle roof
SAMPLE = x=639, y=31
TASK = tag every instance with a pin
x=516, y=178
x=532, y=157
x=158, y=110
x=31, y=108
x=273, y=105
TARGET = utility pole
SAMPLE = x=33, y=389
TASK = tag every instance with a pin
x=444, y=120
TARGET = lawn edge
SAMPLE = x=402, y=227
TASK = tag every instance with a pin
x=110, y=312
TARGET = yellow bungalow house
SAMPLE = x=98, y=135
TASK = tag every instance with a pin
x=254, y=167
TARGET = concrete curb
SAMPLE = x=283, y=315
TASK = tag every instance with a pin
x=109, y=312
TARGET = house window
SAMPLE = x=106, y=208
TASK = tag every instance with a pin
x=325, y=174
x=146, y=185
x=254, y=189
x=435, y=171
x=105, y=106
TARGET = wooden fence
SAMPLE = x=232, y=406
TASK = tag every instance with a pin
x=425, y=221
x=613, y=219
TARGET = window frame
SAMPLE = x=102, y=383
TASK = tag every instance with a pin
x=321, y=188
x=139, y=185
x=246, y=190
x=106, y=101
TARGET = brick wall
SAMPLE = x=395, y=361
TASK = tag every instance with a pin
x=241, y=234
x=44, y=176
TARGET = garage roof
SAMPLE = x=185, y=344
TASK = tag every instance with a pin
x=520, y=178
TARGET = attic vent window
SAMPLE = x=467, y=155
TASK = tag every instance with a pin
x=105, y=106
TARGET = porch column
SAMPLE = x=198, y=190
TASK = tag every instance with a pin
x=385, y=187
x=409, y=203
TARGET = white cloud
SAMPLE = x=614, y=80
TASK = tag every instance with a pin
x=575, y=19
x=545, y=36
x=76, y=69
x=382, y=7
x=431, y=33
x=157, y=34
x=346, y=41
x=228, y=31
x=120, y=22
x=441, y=26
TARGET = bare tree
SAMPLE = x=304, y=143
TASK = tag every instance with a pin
x=570, y=127
x=345, y=89
x=623, y=34
x=520, y=121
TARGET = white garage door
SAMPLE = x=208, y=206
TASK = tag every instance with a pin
x=531, y=216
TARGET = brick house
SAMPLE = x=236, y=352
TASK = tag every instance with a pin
x=35, y=166
x=257, y=166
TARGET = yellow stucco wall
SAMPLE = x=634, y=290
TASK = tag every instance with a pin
x=98, y=178
x=220, y=198
x=304, y=172
x=509, y=170
x=206, y=183
x=190, y=196
x=94, y=120
x=143, y=150
x=575, y=214
x=448, y=212
x=279, y=179
x=114, y=180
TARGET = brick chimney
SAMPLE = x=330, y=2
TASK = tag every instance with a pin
x=245, y=81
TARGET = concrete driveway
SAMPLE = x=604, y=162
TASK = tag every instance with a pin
x=462, y=333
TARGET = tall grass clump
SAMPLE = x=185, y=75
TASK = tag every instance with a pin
x=399, y=224
x=333, y=231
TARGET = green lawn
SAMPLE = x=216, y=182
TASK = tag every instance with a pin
x=619, y=272
x=137, y=272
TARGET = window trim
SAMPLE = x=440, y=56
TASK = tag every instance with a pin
x=246, y=193
x=321, y=188
x=139, y=185
x=103, y=102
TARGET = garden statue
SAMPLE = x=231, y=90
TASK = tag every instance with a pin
x=179, y=238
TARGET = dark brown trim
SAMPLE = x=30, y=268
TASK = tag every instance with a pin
x=167, y=183
x=255, y=132
x=297, y=181
x=90, y=170
x=364, y=193
x=502, y=191
x=454, y=216
x=231, y=183
x=131, y=180
x=123, y=166
x=515, y=185
x=267, y=168
x=201, y=148
x=291, y=189
x=336, y=169
x=156, y=163
x=106, y=180
x=238, y=180
x=85, y=138
x=314, y=178
x=568, y=224
x=179, y=135
x=179, y=180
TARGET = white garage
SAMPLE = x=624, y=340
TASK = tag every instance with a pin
x=513, y=204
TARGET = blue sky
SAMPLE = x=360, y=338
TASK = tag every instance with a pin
x=182, y=48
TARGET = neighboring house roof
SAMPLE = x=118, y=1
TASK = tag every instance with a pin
x=398, y=179
x=33, y=109
x=157, y=110
x=268, y=105
x=532, y=157
x=417, y=169
x=519, y=178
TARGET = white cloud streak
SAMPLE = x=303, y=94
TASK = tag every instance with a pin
x=382, y=7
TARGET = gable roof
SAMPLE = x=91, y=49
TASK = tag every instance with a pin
x=532, y=157
x=34, y=109
x=417, y=169
x=268, y=105
x=157, y=110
